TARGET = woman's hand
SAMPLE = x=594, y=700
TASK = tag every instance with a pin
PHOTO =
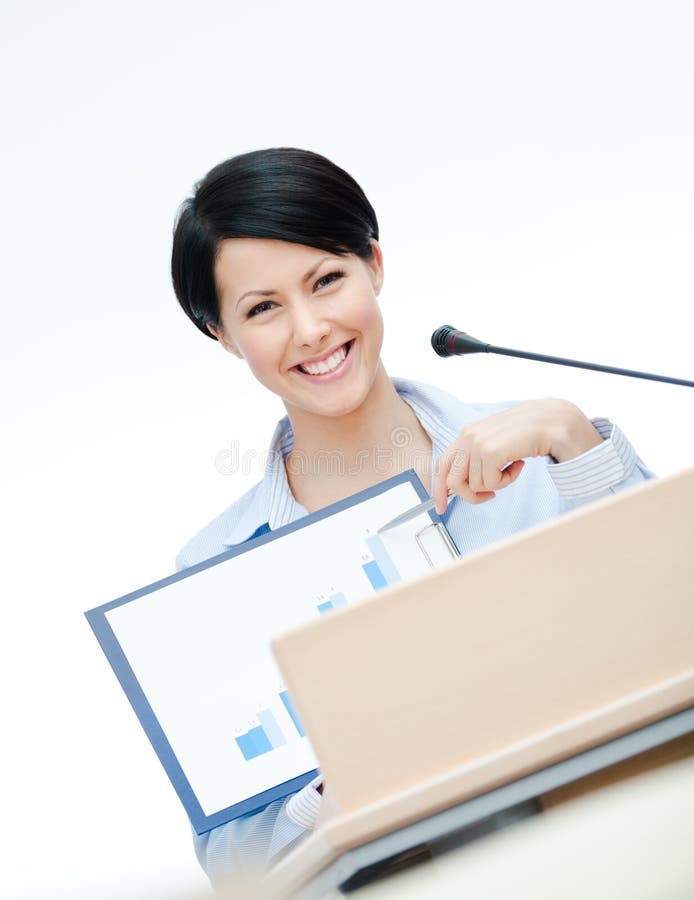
x=488, y=455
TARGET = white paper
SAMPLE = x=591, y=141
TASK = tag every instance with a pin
x=200, y=647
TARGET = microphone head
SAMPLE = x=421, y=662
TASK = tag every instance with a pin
x=441, y=339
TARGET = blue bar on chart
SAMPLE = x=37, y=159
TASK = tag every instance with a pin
x=254, y=743
x=334, y=602
x=272, y=729
x=382, y=557
x=289, y=706
x=374, y=574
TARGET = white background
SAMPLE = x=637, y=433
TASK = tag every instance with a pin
x=531, y=166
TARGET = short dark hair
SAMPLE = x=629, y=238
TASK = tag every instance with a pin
x=281, y=193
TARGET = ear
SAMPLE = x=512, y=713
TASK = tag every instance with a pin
x=375, y=264
x=224, y=340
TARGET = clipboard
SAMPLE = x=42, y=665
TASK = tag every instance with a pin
x=192, y=651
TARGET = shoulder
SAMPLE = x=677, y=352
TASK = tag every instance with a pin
x=445, y=407
x=237, y=523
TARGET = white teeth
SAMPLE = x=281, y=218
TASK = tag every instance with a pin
x=325, y=365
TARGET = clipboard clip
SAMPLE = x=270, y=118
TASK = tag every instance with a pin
x=423, y=534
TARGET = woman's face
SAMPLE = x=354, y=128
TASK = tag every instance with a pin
x=306, y=321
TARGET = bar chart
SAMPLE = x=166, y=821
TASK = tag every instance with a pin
x=277, y=723
x=334, y=601
x=258, y=740
x=381, y=570
x=267, y=735
x=289, y=706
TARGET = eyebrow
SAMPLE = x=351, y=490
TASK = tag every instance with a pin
x=311, y=272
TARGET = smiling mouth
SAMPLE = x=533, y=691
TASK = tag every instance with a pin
x=328, y=365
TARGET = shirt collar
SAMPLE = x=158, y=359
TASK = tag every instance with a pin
x=273, y=502
x=282, y=507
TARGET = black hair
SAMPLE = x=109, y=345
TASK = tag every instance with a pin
x=281, y=193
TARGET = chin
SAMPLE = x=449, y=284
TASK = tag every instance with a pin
x=330, y=410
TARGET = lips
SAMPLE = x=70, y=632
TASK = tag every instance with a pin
x=327, y=364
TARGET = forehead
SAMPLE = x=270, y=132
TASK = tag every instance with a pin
x=256, y=264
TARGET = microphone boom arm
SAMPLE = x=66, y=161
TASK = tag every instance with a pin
x=447, y=341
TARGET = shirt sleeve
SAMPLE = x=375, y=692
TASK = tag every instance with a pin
x=248, y=845
x=608, y=468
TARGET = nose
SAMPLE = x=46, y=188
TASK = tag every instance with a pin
x=309, y=325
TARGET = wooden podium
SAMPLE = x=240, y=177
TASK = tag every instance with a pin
x=438, y=705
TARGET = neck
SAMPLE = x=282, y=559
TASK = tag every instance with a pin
x=335, y=456
x=370, y=424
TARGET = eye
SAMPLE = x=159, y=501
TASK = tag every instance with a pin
x=259, y=308
x=329, y=279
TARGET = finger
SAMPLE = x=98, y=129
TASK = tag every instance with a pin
x=458, y=470
x=474, y=474
x=484, y=477
x=441, y=481
x=510, y=473
x=461, y=485
x=495, y=478
x=474, y=497
x=459, y=462
x=483, y=496
x=490, y=474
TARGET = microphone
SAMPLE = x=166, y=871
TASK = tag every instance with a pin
x=448, y=341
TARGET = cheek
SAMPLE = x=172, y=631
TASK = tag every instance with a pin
x=262, y=356
x=262, y=364
x=369, y=320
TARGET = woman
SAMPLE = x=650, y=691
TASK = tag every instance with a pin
x=276, y=256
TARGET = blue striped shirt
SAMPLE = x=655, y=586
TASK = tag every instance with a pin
x=543, y=489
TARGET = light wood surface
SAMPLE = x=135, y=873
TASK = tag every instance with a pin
x=510, y=659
